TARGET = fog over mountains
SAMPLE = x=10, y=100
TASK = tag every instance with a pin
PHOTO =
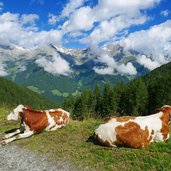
x=58, y=72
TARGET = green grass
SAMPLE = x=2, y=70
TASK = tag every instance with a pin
x=70, y=144
x=35, y=89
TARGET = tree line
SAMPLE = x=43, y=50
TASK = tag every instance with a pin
x=137, y=98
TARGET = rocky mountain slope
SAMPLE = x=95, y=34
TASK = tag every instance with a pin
x=57, y=72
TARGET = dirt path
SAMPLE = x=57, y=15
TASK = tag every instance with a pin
x=14, y=158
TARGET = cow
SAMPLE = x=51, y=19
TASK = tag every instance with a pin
x=35, y=121
x=135, y=132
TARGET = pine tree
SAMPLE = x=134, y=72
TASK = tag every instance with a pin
x=97, y=101
x=136, y=98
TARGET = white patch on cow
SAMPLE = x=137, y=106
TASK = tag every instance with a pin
x=52, y=110
x=51, y=122
x=64, y=112
x=152, y=122
x=107, y=131
x=166, y=106
x=52, y=126
x=14, y=115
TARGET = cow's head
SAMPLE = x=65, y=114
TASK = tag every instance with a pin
x=14, y=115
x=166, y=109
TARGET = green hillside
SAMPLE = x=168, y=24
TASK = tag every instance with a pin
x=59, y=87
x=158, y=84
x=12, y=94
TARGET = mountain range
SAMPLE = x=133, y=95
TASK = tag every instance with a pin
x=57, y=72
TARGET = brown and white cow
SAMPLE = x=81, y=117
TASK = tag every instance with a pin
x=136, y=132
x=35, y=121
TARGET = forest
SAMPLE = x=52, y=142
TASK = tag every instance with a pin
x=12, y=95
x=139, y=97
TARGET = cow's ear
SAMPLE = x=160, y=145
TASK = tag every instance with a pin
x=164, y=109
x=29, y=107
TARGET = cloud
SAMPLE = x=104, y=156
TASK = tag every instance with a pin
x=2, y=69
x=56, y=65
x=109, y=29
x=110, y=66
x=106, y=21
x=71, y=7
x=92, y=25
x=22, y=30
x=123, y=69
x=155, y=43
x=81, y=20
x=165, y=13
x=147, y=62
x=53, y=19
x=1, y=6
x=104, y=71
x=29, y=19
x=100, y=20
x=127, y=69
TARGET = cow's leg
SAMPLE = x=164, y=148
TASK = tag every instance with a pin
x=19, y=136
x=6, y=136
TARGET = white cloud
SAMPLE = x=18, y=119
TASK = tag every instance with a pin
x=104, y=71
x=147, y=62
x=104, y=22
x=56, y=65
x=71, y=7
x=1, y=6
x=29, y=18
x=111, y=66
x=107, y=8
x=165, y=13
x=22, y=30
x=108, y=29
x=81, y=20
x=53, y=19
x=127, y=69
x=100, y=20
x=154, y=43
x=2, y=70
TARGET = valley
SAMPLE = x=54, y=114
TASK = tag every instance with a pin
x=58, y=73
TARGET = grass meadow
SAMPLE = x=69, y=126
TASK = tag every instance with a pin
x=69, y=143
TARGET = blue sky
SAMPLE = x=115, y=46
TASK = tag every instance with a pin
x=49, y=17
x=141, y=25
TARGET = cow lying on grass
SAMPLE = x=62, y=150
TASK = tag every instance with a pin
x=35, y=121
x=136, y=132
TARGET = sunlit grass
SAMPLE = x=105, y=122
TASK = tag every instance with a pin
x=70, y=144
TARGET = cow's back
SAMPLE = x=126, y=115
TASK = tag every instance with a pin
x=57, y=118
x=35, y=121
x=130, y=131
